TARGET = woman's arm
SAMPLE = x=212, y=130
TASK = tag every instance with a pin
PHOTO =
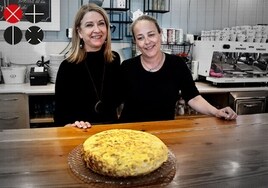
x=199, y=104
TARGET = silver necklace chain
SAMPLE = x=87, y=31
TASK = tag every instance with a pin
x=155, y=67
x=98, y=95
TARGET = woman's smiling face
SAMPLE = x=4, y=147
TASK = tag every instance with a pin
x=147, y=37
x=93, y=31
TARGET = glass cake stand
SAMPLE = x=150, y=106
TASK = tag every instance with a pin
x=161, y=176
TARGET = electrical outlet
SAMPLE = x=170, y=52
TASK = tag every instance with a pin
x=69, y=32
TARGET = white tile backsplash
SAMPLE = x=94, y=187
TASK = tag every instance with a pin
x=26, y=54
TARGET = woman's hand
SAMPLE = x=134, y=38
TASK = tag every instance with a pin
x=80, y=124
x=199, y=104
x=226, y=113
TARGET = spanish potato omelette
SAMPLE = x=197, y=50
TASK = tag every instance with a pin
x=124, y=153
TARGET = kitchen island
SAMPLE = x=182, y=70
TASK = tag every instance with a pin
x=210, y=152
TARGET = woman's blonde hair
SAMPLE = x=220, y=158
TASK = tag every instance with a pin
x=77, y=54
x=147, y=18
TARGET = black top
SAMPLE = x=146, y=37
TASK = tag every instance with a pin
x=75, y=96
x=152, y=96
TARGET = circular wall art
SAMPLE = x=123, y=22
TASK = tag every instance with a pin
x=13, y=35
x=13, y=13
x=34, y=13
x=34, y=35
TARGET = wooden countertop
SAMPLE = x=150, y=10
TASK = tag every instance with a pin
x=210, y=152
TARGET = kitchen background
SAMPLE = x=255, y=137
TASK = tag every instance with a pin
x=35, y=105
x=192, y=16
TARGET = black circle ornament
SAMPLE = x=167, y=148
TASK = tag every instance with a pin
x=12, y=35
x=34, y=13
x=34, y=35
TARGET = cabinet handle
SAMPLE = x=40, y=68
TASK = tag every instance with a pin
x=250, y=105
x=9, y=118
x=14, y=99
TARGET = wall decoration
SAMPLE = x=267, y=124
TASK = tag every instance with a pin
x=50, y=22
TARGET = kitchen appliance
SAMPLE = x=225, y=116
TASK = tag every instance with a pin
x=227, y=62
x=250, y=102
x=39, y=76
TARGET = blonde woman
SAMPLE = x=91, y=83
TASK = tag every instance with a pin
x=86, y=89
x=152, y=81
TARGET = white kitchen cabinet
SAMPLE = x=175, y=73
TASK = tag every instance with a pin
x=14, y=111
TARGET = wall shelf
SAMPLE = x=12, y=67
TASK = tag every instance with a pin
x=118, y=15
x=117, y=9
x=42, y=120
x=117, y=5
x=156, y=6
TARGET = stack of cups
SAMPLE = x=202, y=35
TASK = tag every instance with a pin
x=233, y=35
x=218, y=35
x=54, y=63
x=172, y=36
x=164, y=36
x=241, y=33
x=178, y=36
x=245, y=33
x=250, y=34
x=205, y=35
x=261, y=33
x=258, y=36
x=226, y=34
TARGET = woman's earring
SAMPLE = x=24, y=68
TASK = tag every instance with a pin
x=81, y=45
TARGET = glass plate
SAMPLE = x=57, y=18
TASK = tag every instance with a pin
x=161, y=176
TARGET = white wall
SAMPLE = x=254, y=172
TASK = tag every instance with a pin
x=24, y=53
x=190, y=15
x=193, y=16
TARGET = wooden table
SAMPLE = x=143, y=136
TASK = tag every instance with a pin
x=210, y=152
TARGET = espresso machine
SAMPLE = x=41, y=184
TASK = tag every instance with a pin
x=227, y=62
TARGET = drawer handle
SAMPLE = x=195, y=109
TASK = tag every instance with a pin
x=14, y=99
x=250, y=105
x=9, y=118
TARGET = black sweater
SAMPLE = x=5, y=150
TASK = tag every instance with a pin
x=75, y=96
x=151, y=96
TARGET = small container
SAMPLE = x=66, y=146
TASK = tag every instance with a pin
x=171, y=36
x=54, y=64
x=194, y=70
x=181, y=110
x=164, y=36
x=13, y=75
x=178, y=36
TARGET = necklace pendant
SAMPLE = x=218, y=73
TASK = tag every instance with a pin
x=98, y=106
